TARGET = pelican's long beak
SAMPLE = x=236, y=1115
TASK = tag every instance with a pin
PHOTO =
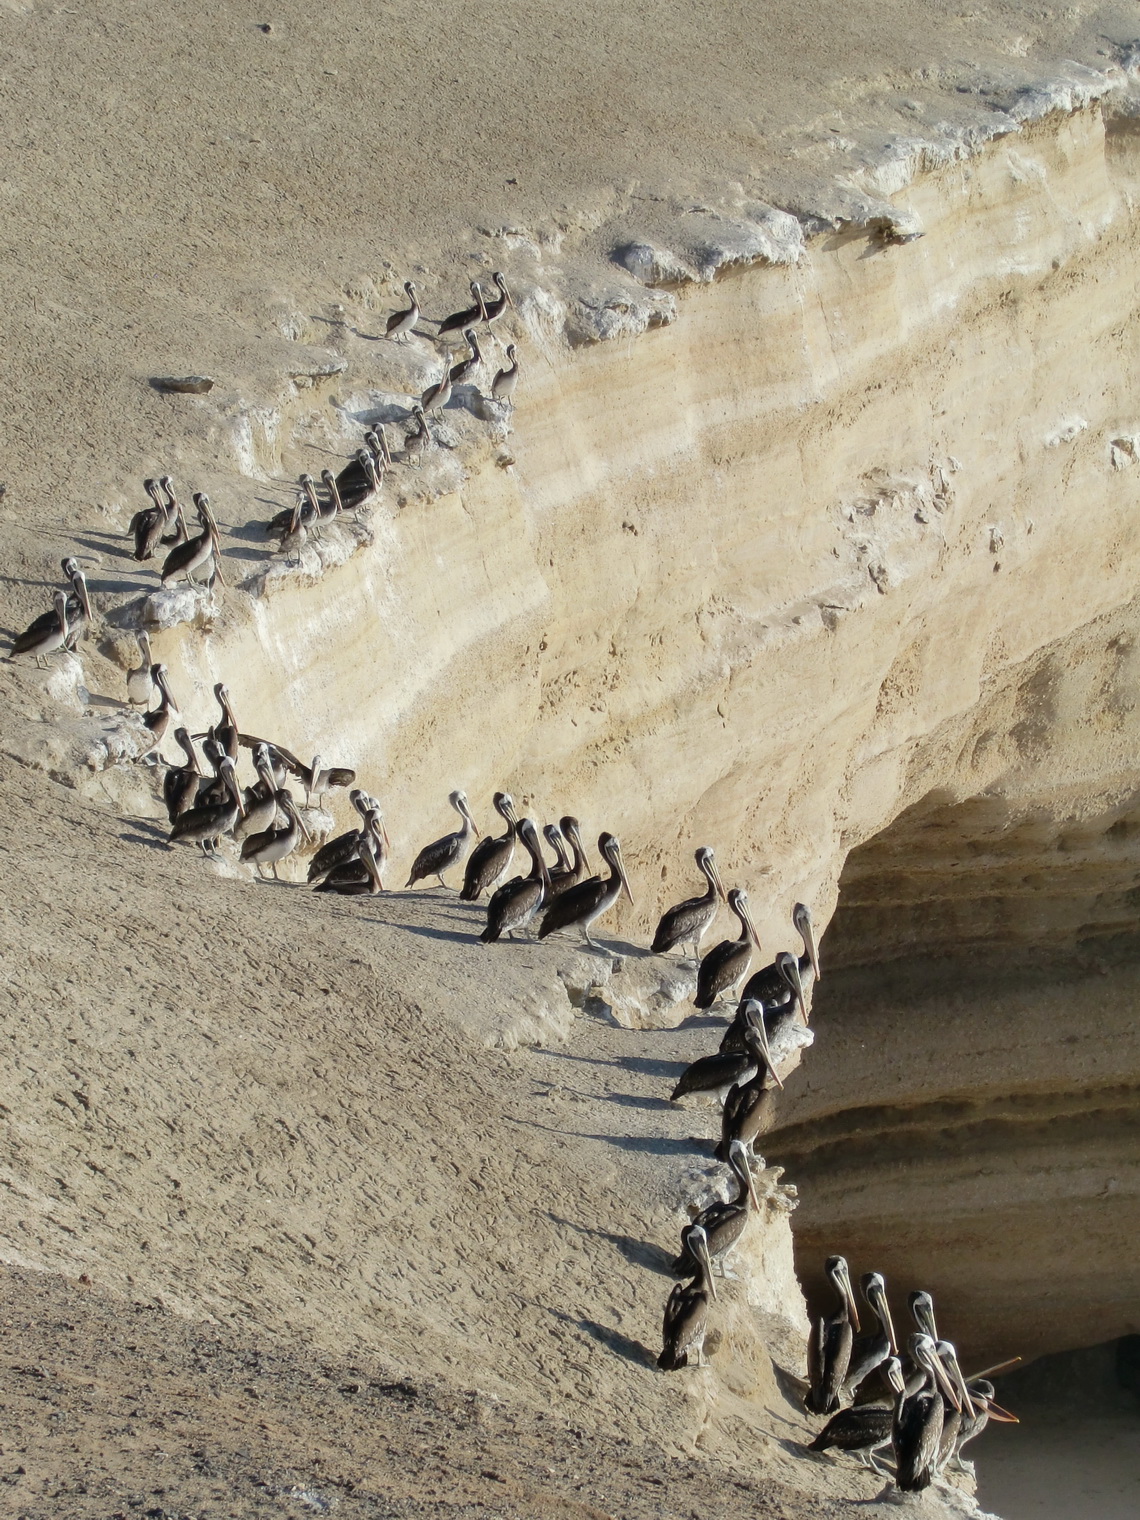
x=849, y=1295
x=717, y=883
x=943, y=1380
x=79, y=582
x=751, y=927
x=235, y=790
x=304, y=829
x=808, y=931
x=750, y=1183
x=960, y=1381
x=793, y=976
x=624, y=880
x=885, y=1311
x=762, y=1036
x=996, y=1412
x=706, y=1265
x=993, y=1371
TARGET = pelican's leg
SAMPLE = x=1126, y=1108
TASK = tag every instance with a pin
x=439, y=878
x=275, y=875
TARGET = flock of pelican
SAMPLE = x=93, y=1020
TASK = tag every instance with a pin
x=930, y=1410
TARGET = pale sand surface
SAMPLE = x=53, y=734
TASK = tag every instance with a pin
x=172, y=172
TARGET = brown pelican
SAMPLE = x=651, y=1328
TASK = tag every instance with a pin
x=727, y=962
x=769, y=984
x=469, y=316
x=490, y=860
x=159, y=719
x=953, y=1413
x=916, y=1433
x=688, y=921
x=493, y=310
x=986, y=1408
x=416, y=444
x=318, y=778
x=139, y=685
x=561, y=881
x=180, y=784
x=260, y=800
x=78, y=603
x=786, y=1022
x=830, y=1342
x=722, y=1223
x=328, y=480
x=871, y=1351
x=437, y=395
x=206, y=823
x=722, y=1072
x=687, y=1311
x=866, y=1428
x=516, y=902
x=401, y=323
x=196, y=553
x=148, y=526
x=358, y=482
x=442, y=854
x=462, y=372
x=582, y=904
x=175, y=522
x=47, y=634
x=749, y=1110
x=273, y=844
x=362, y=876
x=345, y=848
x=506, y=379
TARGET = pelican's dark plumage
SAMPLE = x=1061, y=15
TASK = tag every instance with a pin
x=916, y=1433
x=516, y=902
x=727, y=962
x=687, y=1311
x=469, y=316
x=769, y=984
x=688, y=921
x=865, y=1428
x=871, y=1350
x=830, y=1342
x=561, y=881
x=207, y=822
x=580, y=905
x=442, y=854
x=490, y=860
x=722, y=1223
x=400, y=323
x=718, y=1073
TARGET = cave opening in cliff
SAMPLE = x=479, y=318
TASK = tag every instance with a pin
x=969, y=1121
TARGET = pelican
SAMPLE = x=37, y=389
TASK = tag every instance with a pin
x=561, y=881
x=328, y=480
x=516, y=902
x=490, y=860
x=469, y=316
x=260, y=801
x=436, y=397
x=401, y=323
x=47, y=634
x=866, y=1428
x=362, y=876
x=139, y=685
x=722, y=1223
x=416, y=444
x=871, y=1351
x=749, y=1110
x=273, y=844
x=720, y=1073
x=158, y=720
x=78, y=603
x=986, y=1408
x=180, y=784
x=442, y=854
x=563, y=861
x=206, y=823
x=506, y=379
x=345, y=848
x=687, y=1311
x=358, y=482
x=582, y=904
x=196, y=553
x=769, y=984
x=493, y=310
x=916, y=1432
x=727, y=962
x=953, y=1413
x=318, y=778
x=830, y=1342
x=148, y=525
x=688, y=921
x=175, y=522
x=462, y=372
